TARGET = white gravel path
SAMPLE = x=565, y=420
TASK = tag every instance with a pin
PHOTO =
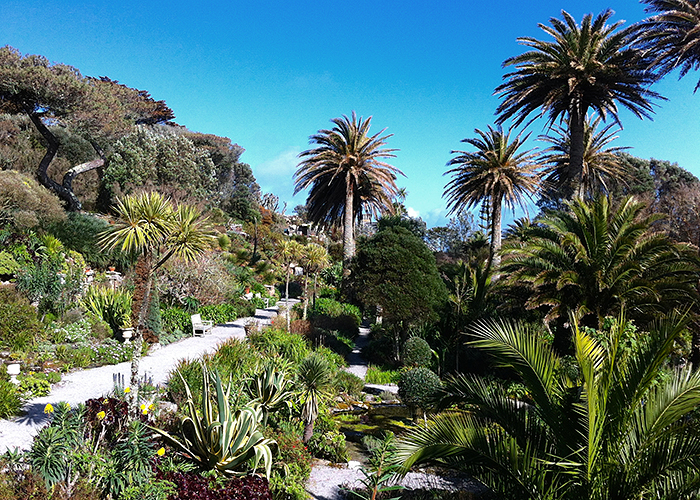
x=79, y=386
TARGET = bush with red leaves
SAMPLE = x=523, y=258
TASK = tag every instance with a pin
x=192, y=486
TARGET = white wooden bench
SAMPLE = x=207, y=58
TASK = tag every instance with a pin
x=200, y=327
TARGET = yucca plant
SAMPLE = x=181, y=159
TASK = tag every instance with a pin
x=314, y=378
x=270, y=391
x=229, y=442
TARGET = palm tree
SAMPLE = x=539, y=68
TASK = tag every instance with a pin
x=594, y=259
x=601, y=164
x=289, y=252
x=346, y=176
x=619, y=425
x=315, y=259
x=672, y=35
x=494, y=174
x=149, y=226
x=588, y=67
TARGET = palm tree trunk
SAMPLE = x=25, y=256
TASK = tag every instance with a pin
x=308, y=431
x=494, y=257
x=348, y=225
x=306, y=295
x=286, y=298
x=576, y=150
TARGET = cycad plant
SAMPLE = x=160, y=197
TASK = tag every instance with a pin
x=618, y=424
x=220, y=439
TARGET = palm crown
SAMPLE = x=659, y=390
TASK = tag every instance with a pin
x=588, y=67
x=346, y=175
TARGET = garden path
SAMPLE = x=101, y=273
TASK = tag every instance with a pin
x=78, y=386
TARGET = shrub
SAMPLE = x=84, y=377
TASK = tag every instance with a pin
x=335, y=360
x=26, y=202
x=347, y=382
x=380, y=376
x=417, y=353
x=228, y=312
x=273, y=341
x=8, y=264
x=11, y=399
x=112, y=306
x=333, y=315
x=175, y=318
x=236, y=358
x=79, y=232
x=34, y=385
x=78, y=331
x=111, y=352
x=418, y=387
x=19, y=325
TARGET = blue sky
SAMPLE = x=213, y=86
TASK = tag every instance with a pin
x=269, y=74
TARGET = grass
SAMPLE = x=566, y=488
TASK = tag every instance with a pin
x=381, y=376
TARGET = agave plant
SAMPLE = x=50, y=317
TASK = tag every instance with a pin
x=227, y=441
x=269, y=391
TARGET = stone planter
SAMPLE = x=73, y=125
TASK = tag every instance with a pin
x=13, y=370
x=127, y=334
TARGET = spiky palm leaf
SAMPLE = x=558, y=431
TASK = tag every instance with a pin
x=672, y=34
x=619, y=431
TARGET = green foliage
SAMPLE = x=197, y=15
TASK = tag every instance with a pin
x=270, y=390
x=224, y=313
x=292, y=464
x=153, y=319
x=381, y=470
x=417, y=353
x=175, y=318
x=418, y=387
x=34, y=385
x=112, y=305
x=328, y=445
x=79, y=232
x=78, y=331
x=331, y=314
x=19, y=325
x=50, y=282
x=380, y=376
x=131, y=458
x=170, y=161
x=8, y=264
x=228, y=442
x=347, y=382
x=290, y=346
x=25, y=204
x=111, y=352
x=11, y=399
x=397, y=271
x=314, y=378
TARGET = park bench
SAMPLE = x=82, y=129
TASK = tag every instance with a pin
x=200, y=326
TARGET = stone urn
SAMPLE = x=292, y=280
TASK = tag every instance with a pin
x=127, y=334
x=13, y=370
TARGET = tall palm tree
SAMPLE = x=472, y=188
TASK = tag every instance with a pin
x=495, y=173
x=149, y=226
x=346, y=175
x=618, y=426
x=601, y=164
x=594, y=259
x=591, y=66
x=672, y=35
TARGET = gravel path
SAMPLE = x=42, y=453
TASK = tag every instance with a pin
x=78, y=386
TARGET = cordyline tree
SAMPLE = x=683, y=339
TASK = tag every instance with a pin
x=59, y=95
x=149, y=226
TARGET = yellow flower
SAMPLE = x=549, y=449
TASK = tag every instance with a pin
x=143, y=406
x=145, y=411
x=127, y=390
x=101, y=415
x=48, y=408
x=161, y=452
x=151, y=407
x=67, y=406
x=105, y=401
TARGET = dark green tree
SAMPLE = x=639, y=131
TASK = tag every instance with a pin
x=396, y=271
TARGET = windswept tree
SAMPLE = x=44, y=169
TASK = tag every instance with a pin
x=346, y=176
x=602, y=166
x=672, y=34
x=588, y=67
x=494, y=174
x=149, y=226
x=54, y=95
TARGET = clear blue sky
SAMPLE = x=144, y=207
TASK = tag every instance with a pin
x=268, y=74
